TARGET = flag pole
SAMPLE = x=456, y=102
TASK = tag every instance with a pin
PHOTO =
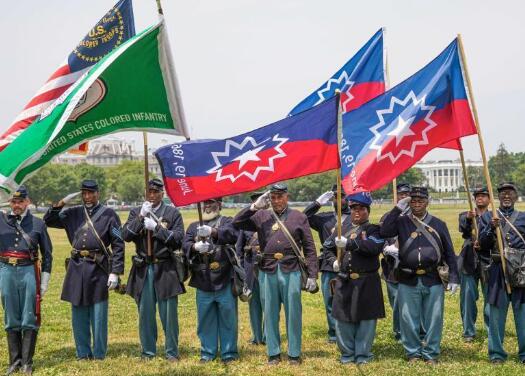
x=146, y=179
x=339, y=189
x=387, y=87
x=484, y=158
x=469, y=197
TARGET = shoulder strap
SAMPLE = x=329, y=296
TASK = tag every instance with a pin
x=298, y=252
x=89, y=222
x=31, y=244
x=510, y=225
x=436, y=243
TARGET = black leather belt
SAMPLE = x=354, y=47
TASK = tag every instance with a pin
x=85, y=253
x=419, y=271
x=357, y=275
x=15, y=261
x=214, y=266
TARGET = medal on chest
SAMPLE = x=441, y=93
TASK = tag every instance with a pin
x=275, y=227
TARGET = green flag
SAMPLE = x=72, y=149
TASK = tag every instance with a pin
x=132, y=88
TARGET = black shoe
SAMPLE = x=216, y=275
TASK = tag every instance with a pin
x=294, y=360
x=228, y=360
x=172, y=359
x=431, y=362
x=274, y=359
x=468, y=339
x=205, y=360
x=28, y=350
x=14, y=346
x=497, y=361
x=414, y=359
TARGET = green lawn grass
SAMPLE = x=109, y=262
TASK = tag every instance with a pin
x=55, y=353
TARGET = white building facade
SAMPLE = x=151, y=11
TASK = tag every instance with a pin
x=445, y=175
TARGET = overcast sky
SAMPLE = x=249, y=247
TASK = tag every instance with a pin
x=243, y=64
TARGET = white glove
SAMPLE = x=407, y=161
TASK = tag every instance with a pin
x=150, y=223
x=335, y=266
x=146, y=208
x=44, y=283
x=202, y=247
x=70, y=197
x=403, y=203
x=391, y=250
x=263, y=202
x=203, y=231
x=453, y=287
x=311, y=284
x=325, y=197
x=340, y=242
x=112, y=281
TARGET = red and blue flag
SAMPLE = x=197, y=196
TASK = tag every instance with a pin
x=359, y=80
x=296, y=146
x=386, y=136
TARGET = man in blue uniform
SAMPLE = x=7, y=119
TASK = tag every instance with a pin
x=22, y=236
x=247, y=247
x=388, y=263
x=358, y=298
x=97, y=260
x=471, y=264
x=424, y=245
x=512, y=225
x=279, y=274
x=210, y=249
x=324, y=225
x=153, y=278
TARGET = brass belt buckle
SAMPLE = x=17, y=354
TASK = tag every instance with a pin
x=278, y=256
x=84, y=253
x=420, y=271
x=214, y=265
x=12, y=261
x=354, y=275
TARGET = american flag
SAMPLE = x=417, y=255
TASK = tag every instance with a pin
x=113, y=29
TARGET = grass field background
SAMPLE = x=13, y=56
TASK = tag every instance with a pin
x=55, y=354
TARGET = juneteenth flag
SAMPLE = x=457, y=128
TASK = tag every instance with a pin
x=113, y=29
x=299, y=145
x=132, y=88
x=359, y=80
x=386, y=136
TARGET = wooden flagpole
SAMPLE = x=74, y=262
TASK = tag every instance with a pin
x=339, y=188
x=469, y=196
x=387, y=87
x=484, y=158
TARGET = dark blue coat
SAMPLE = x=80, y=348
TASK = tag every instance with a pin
x=324, y=224
x=12, y=240
x=202, y=276
x=86, y=282
x=165, y=239
x=487, y=238
x=247, y=247
x=357, y=299
x=421, y=253
x=468, y=257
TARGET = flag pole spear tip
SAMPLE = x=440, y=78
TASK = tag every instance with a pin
x=159, y=8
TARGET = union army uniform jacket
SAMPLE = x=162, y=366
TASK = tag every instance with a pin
x=165, y=239
x=86, y=277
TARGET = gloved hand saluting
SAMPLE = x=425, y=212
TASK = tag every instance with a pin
x=150, y=223
x=112, y=281
x=263, y=202
x=403, y=203
x=202, y=247
x=311, y=285
x=44, y=283
x=203, y=231
x=325, y=197
x=69, y=198
x=146, y=208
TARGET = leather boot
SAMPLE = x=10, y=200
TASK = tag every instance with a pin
x=14, y=347
x=28, y=350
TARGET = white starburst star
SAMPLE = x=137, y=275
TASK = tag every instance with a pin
x=343, y=81
x=250, y=155
x=402, y=129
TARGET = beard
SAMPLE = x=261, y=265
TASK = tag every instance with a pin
x=208, y=216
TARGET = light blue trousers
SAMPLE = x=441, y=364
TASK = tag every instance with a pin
x=87, y=320
x=468, y=296
x=497, y=321
x=255, y=309
x=18, y=290
x=355, y=340
x=282, y=288
x=421, y=306
x=148, y=321
x=326, y=277
x=217, y=323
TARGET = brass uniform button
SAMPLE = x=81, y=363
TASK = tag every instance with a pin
x=275, y=227
x=414, y=235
